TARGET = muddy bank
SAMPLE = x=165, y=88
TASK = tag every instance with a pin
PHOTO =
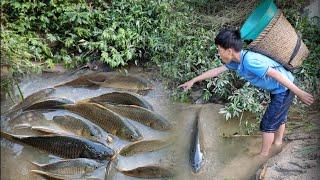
x=299, y=158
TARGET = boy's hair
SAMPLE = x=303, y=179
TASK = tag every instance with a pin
x=229, y=38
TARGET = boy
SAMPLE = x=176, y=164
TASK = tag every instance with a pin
x=264, y=73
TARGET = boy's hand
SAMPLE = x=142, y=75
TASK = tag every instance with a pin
x=187, y=85
x=305, y=97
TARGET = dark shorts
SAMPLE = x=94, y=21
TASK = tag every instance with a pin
x=277, y=111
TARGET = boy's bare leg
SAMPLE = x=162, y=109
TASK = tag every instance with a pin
x=278, y=136
x=267, y=140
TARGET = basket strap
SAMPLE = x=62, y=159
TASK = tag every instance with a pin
x=295, y=50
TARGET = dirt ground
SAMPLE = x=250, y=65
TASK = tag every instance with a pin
x=300, y=157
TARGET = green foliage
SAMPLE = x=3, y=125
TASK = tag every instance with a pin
x=42, y=33
x=244, y=99
x=74, y=32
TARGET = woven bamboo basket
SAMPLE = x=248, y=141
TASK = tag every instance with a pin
x=280, y=42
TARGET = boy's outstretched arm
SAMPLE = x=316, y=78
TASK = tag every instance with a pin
x=303, y=96
x=208, y=74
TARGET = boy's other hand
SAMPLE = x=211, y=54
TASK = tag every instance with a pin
x=187, y=85
x=306, y=97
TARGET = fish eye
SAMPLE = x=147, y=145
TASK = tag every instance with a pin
x=131, y=137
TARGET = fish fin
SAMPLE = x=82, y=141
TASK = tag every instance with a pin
x=93, y=178
x=44, y=129
x=45, y=174
x=51, y=131
x=22, y=126
x=36, y=163
x=97, y=83
x=85, y=100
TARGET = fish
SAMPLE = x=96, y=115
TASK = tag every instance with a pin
x=197, y=148
x=31, y=99
x=49, y=103
x=120, y=81
x=55, y=176
x=141, y=115
x=27, y=117
x=79, y=128
x=149, y=172
x=106, y=119
x=70, y=147
x=82, y=81
x=76, y=167
x=123, y=98
x=143, y=146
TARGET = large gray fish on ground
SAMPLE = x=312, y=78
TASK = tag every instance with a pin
x=106, y=119
x=197, y=146
x=69, y=125
x=83, y=80
x=55, y=176
x=143, y=146
x=65, y=146
x=17, y=125
x=72, y=168
x=149, y=172
x=111, y=80
x=27, y=117
x=119, y=81
x=141, y=115
x=125, y=98
x=80, y=128
x=31, y=99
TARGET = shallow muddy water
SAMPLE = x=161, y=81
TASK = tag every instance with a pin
x=225, y=158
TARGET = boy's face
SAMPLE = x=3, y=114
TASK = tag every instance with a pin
x=225, y=54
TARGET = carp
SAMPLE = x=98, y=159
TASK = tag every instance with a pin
x=76, y=167
x=106, y=119
x=141, y=115
x=119, y=81
x=50, y=103
x=123, y=98
x=79, y=128
x=83, y=80
x=65, y=146
x=149, y=172
x=31, y=99
x=143, y=146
